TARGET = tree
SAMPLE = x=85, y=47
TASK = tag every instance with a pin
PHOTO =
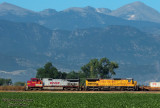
x=106, y=68
x=102, y=68
x=49, y=71
x=91, y=69
x=5, y=81
x=72, y=75
x=63, y=75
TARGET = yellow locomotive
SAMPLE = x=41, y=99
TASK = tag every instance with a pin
x=111, y=84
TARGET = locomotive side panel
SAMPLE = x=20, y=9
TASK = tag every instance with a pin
x=54, y=82
x=61, y=84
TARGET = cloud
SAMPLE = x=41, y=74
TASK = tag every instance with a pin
x=16, y=72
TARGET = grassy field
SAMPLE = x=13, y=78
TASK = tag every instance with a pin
x=79, y=100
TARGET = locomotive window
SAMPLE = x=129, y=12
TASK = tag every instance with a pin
x=34, y=80
x=129, y=80
x=50, y=79
x=91, y=81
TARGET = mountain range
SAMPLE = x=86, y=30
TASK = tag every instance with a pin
x=70, y=38
x=137, y=11
x=81, y=18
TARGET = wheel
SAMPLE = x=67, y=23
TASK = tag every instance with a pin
x=121, y=89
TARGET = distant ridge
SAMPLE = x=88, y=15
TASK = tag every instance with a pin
x=48, y=12
x=137, y=11
x=7, y=8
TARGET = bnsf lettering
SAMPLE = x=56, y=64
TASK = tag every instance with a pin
x=154, y=83
x=54, y=82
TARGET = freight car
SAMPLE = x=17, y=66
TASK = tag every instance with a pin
x=52, y=84
x=111, y=84
x=153, y=86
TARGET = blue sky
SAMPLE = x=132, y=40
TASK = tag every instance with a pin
x=38, y=5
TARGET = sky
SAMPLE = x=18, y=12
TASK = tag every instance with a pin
x=39, y=5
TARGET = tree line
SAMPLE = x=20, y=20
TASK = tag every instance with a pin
x=4, y=81
x=103, y=68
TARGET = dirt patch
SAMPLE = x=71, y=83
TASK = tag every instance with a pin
x=13, y=88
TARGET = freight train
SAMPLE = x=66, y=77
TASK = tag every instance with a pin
x=125, y=84
x=120, y=84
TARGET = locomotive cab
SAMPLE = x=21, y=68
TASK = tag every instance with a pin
x=36, y=80
x=131, y=81
x=34, y=84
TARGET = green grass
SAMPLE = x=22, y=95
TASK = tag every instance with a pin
x=79, y=100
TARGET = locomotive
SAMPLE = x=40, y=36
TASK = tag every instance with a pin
x=52, y=84
x=111, y=84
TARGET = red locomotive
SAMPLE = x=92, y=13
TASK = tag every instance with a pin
x=34, y=84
